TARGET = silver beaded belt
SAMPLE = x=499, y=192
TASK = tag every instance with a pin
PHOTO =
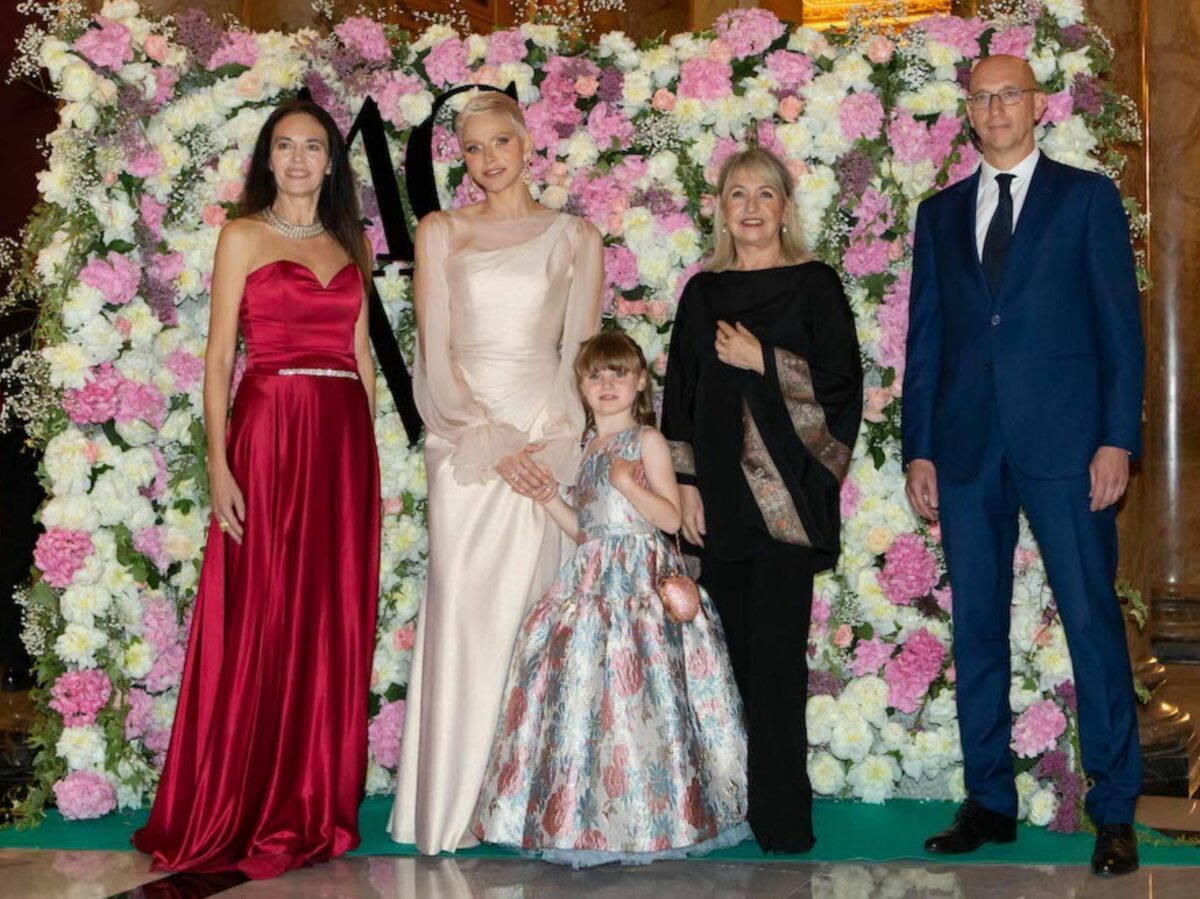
x=319, y=372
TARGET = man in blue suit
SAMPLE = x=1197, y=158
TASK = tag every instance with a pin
x=1023, y=388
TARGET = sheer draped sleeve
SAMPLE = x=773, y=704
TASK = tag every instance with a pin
x=562, y=432
x=443, y=399
x=442, y=394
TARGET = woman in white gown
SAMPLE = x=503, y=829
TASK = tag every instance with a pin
x=505, y=291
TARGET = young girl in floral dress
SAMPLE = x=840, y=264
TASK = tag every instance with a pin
x=621, y=736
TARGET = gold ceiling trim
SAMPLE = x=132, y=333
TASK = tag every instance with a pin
x=837, y=13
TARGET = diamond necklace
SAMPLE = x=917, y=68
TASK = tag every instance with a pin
x=287, y=229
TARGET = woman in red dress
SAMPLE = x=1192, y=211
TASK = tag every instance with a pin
x=268, y=755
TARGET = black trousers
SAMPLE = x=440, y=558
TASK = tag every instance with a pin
x=765, y=603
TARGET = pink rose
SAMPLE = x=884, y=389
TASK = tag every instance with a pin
x=585, y=85
x=663, y=100
x=657, y=311
x=213, y=215
x=880, y=49
x=719, y=51
x=557, y=174
x=406, y=636
x=843, y=636
x=486, y=74
x=790, y=108
x=878, y=399
x=155, y=47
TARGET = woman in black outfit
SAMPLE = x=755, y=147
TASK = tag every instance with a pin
x=762, y=405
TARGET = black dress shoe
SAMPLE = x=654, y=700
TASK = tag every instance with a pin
x=1116, y=850
x=973, y=826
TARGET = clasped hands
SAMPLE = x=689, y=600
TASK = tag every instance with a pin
x=525, y=476
x=737, y=346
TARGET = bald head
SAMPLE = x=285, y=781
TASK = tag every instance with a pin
x=1005, y=128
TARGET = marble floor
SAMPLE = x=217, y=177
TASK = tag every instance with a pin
x=98, y=875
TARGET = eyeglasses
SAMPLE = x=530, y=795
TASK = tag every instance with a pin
x=1009, y=96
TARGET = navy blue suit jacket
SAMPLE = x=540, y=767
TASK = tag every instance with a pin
x=1055, y=356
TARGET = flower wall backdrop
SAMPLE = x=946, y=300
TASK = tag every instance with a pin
x=157, y=124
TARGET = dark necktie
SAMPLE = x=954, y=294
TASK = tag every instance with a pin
x=999, y=234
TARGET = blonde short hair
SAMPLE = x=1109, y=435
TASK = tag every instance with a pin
x=488, y=102
x=775, y=174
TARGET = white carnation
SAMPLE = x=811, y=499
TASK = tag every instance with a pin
x=1042, y=806
x=826, y=773
x=852, y=738
x=78, y=645
x=66, y=461
x=84, y=603
x=81, y=747
x=874, y=778
x=138, y=659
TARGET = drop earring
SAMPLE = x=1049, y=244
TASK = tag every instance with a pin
x=526, y=175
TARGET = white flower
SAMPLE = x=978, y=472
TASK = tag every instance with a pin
x=874, y=778
x=820, y=714
x=808, y=41
x=892, y=737
x=379, y=780
x=581, y=150
x=1044, y=63
x=119, y=10
x=545, y=36
x=68, y=364
x=81, y=747
x=138, y=659
x=521, y=74
x=636, y=89
x=66, y=461
x=1026, y=785
x=100, y=340
x=854, y=72
x=867, y=695
x=939, y=54
x=826, y=773
x=1071, y=142
x=852, y=739
x=476, y=47
x=84, y=603
x=74, y=512
x=78, y=645
x=617, y=44
x=1065, y=12
x=78, y=81
x=52, y=256
x=1042, y=806
x=1076, y=62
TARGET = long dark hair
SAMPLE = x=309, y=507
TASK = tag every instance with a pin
x=337, y=207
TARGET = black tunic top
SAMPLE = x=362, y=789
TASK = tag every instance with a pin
x=767, y=452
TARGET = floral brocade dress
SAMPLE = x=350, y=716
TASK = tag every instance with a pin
x=621, y=736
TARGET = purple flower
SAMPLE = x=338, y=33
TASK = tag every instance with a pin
x=1074, y=36
x=194, y=31
x=1089, y=96
x=824, y=683
x=611, y=85
x=854, y=172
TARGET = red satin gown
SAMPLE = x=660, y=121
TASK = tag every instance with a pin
x=268, y=756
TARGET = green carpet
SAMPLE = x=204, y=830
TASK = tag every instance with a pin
x=846, y=831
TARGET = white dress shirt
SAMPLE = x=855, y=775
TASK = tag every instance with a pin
x=988, y=196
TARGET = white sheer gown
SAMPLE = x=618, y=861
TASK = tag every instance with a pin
x=506, y=305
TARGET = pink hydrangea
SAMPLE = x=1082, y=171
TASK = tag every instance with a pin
x=819, y=617
x=85, y=794
x=968, y=161
x=910, y=673
x=620, y=267
x=961, y=34
x=148, y=541
x=1013, y=41
x=186, y=368
x=366, y=37
x=909, y=570
x=238, y=48
x=866, y=256
x=768, y=139
x=383, y=734
x=110, y=45
x=861, y=116
x=892, y=315
x=873, y=214
x=869, y=657
x=116, y=276
x=446, y=63
x=144, y=163
x=908, y=139
x=166, y=267
x=166, y=671
x=141, y=402
x=152, y=213
x=849, y=498
x=59, y=553
x=140, y=717
x=609, y=128
x=1038, y=728
x=749, y=31
x=941, y=136
x=504, y=47
x=705, y=79
x=164, y=85
x=79, y=695
x=98, y=400
x=388, y=88
x=790, y=70
x=1059, y=107
x=160, y=627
